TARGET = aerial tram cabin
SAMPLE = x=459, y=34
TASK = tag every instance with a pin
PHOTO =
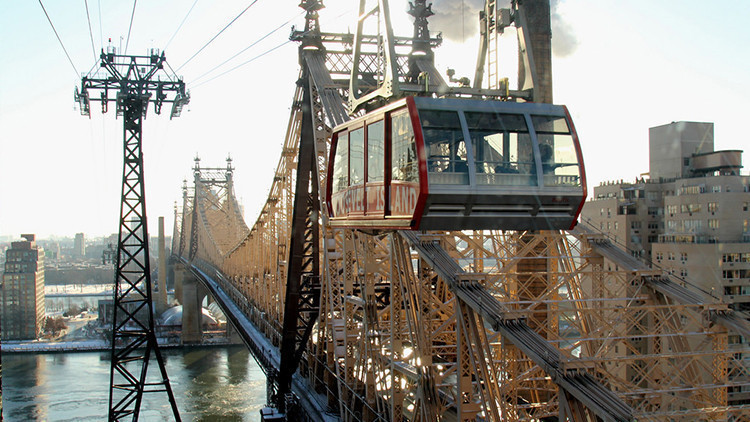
x=457, y=164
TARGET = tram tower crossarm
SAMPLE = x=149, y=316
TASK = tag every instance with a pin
x=133, y=75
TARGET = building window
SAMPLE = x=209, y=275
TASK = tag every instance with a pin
x=732, y=290
x=716, y=189
x=617, y=225
x=659, y=256
x=713, y=223
x=670, y=256
x=713, y=207
x=683, y=257
x=729, y=257
x=601, y=212
x=730, y=274
x=683, y=272
x=745, y=206
x=635, y=224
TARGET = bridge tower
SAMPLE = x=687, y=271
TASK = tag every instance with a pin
x=132, y=83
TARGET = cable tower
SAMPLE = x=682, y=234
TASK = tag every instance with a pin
x=132, y=83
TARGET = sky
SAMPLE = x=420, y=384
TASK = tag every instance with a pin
x=620, y=67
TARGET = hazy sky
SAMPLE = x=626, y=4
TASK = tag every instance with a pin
x=620, y=66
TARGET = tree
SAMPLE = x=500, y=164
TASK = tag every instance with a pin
x=72, y=311
x=54, y=325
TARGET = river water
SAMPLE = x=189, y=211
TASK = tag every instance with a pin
x=210, y=384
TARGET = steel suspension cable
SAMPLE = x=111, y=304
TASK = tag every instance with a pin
x=101, y=37
x=91, y=34
x=248, y=47
x=180, y=27
x=219, y=33
x=58, y=38
x=130, y=27
x=244, y=63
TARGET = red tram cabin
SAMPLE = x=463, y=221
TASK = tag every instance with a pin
x=457, y=164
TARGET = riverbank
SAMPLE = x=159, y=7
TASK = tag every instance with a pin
x=36, y=346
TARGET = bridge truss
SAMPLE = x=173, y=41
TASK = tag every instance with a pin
x=460, y=325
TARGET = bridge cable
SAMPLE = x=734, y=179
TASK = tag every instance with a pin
x=91, y=34
x=180, y=27
x=130, y=27
x=58, y=38
x=248, y=47
x=219, y=33
x=244, y=63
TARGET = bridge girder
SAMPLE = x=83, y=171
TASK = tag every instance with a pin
x=396, y=337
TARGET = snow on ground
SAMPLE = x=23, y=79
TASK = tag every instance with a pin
x=77, y=289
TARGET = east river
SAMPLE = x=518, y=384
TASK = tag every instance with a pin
x=210, y=384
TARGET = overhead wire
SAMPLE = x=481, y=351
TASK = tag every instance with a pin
x=248, y=47
x=243, y=64
x=193, y=85
x=101, y=36
x=91, y=34
x=130, y=27
x=219, y=33
x=58, y=39
x=180, y=27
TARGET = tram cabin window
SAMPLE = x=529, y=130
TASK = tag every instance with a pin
x=557, y=151
x=357, y=157
x=445, y=147
x=404, y=164
x=341, y=169
x=375, y=151
x=503, y=153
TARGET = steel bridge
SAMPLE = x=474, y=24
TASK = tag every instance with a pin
x=461, y=325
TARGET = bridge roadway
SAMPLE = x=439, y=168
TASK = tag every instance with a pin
x=239, y=312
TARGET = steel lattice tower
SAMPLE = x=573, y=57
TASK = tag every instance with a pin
x=135, y=82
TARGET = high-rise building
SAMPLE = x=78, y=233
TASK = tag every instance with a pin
x=79, y=246
x=23, y=290
x=690, y=217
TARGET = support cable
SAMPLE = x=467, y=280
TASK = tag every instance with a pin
x=248, y=47
x=91, y=34
x=180, y=27
x=101, y=36
x=242, y=64
x=58, y=39
x=219, y=33
x=130, y=27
